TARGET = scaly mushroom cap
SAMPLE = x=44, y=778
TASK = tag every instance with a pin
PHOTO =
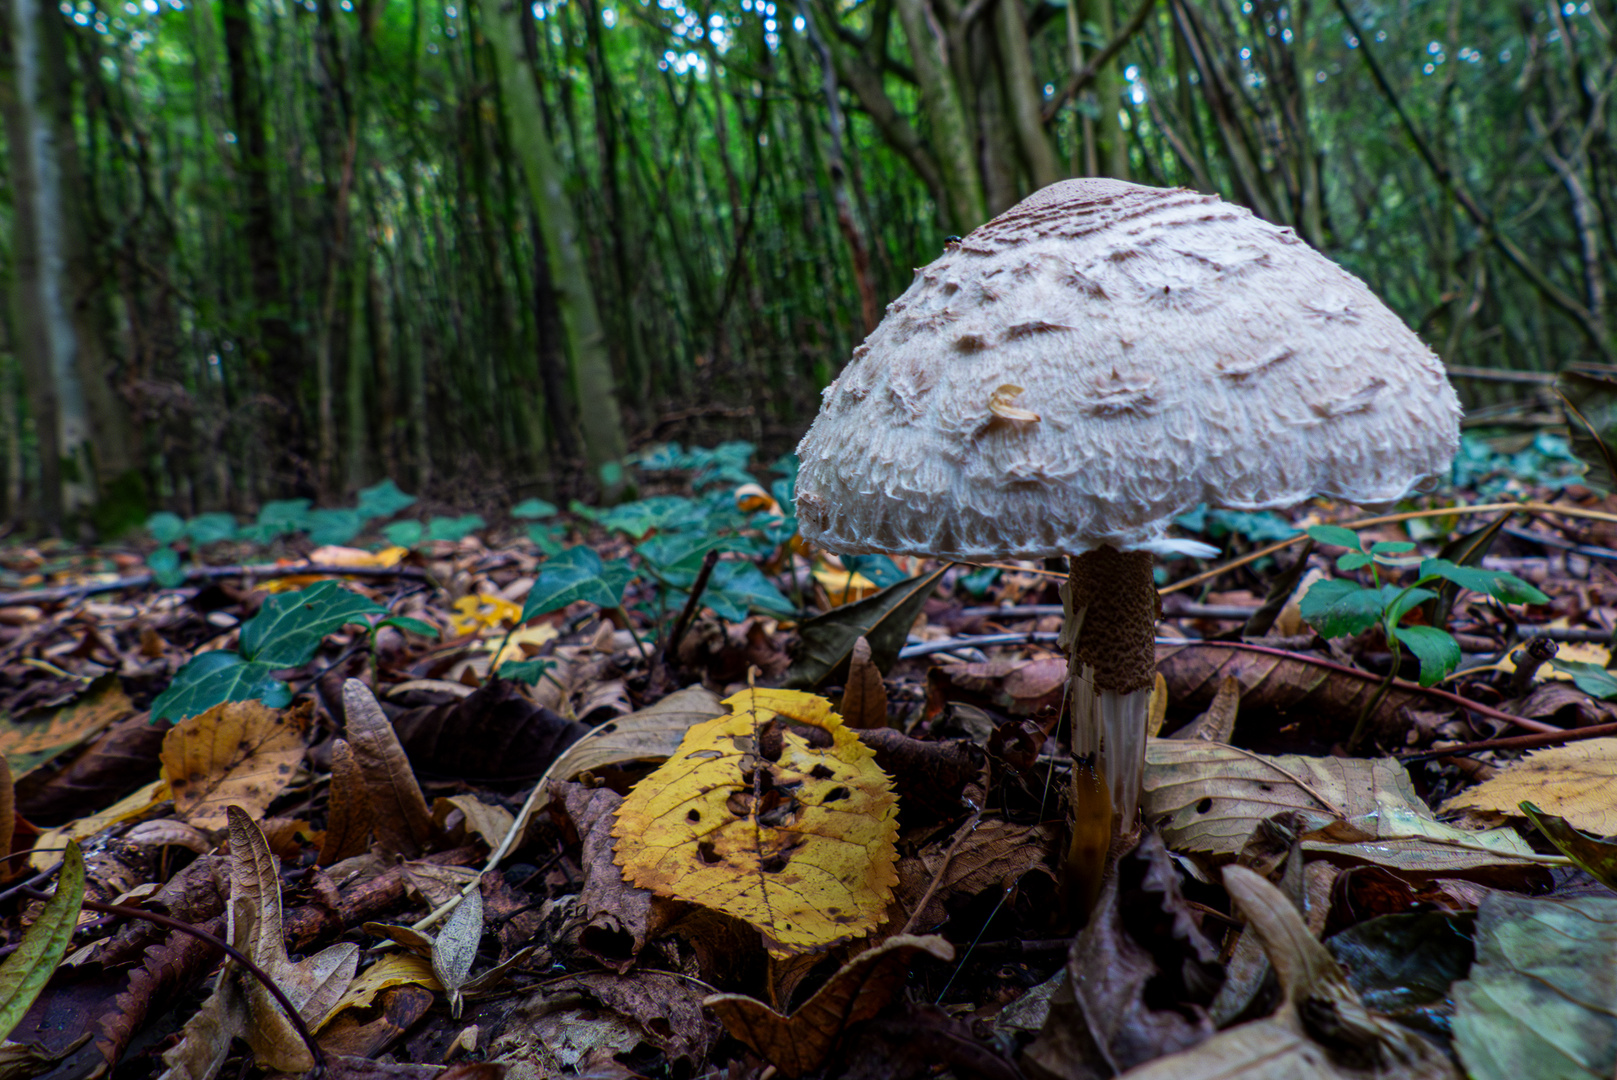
x=1103, y=357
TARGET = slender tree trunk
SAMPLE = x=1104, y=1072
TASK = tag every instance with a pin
x=1023, y=90
x=585, y=344
x=951, y=136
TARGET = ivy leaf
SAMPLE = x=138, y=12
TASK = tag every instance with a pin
x=1506, y=588
x=576, y=574
x=289, y=627
x=334, y=526
x=1436, y=650
x=277, y=519
x=736, y=587
x=164, y=563
x=1340, y=608
x=526, y=672
x=1335, y=534
x=409, y=625
x=681, y=554
x=382, y=501
x=547, y=538
x=406, y=534
x=165, y=527
x=216, y=677
x=205, y=529
x=457, y=528
x=533, y=510
x=1592, y=679
x=879, y=570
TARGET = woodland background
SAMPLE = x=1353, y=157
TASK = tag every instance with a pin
x=254, y=249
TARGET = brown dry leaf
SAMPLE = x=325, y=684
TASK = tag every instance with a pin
x=864, y=700
x=239, y=753
x=436, y=883
x=994, y=853
x=1577, y=782
x=776, y=814
x=36, y=737
x=350, y=816
x=800, y=1043
x=1217, y=724
x=487, y=822
x=313, y=985
x=1194, y=674
x=454, y=950
x=495, y=732
x=1210, y=796
x=206, y=1037
x=1321, y=1030
x=402, y=822
x=371, y=1033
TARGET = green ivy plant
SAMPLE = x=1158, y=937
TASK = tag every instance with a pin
x=284, y=634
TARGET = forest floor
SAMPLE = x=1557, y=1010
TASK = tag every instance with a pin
x=529, y=800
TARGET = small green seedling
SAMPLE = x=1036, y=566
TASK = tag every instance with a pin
x=1343, y=607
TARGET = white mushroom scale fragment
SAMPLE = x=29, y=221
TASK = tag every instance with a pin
x=1095, y=361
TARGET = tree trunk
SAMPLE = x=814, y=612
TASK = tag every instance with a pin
x=583, y=340
x=951, y=136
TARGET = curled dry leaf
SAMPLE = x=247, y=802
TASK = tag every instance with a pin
x=454, y=950
x=861, y=988
x=350, y=815
x=992, y=854
x=1321, y=1030
x=776, y=814
x=239, y=753
x=1210, y=796
x=135, y=805
x=402, y=821
x=864, y=699
x=493, y=733
x=1576, y=782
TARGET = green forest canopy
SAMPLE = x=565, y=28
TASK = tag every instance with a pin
x=261, y=248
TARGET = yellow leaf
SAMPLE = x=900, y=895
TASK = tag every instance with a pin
x=1577, y=782
x=332, y=555
x=237, y=753
x=751, y=498
x=842, y=586
x=534, y=637
x=474, y=614
x=36, y=738
x=394, y=969
x=776, y=814
x=48, y=846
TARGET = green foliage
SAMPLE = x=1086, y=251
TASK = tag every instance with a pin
x=455, y=528
x=577, y=573
x=39, y=952
x=1258, y=527
x=1341, y=608
x=284, y=634
x=527, y=672
x=1592, y=679
x=533, y=510
x=383, y=500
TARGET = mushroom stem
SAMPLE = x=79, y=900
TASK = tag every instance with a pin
x=1109, y=633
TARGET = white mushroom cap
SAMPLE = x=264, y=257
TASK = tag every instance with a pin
x=1103, y=357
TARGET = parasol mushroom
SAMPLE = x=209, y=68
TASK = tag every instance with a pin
x=1074, y=374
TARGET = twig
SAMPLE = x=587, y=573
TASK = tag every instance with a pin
x=206, y=573
x=229, y=950
x=1515, y=742
x=692, y=605
x=1084, y=75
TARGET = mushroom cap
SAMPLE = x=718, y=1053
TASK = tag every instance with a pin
x=1103, y=357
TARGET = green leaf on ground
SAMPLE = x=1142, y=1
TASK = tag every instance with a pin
x=1592, y=679
x=1506, y=588
x=289, y=627
x=1541, y=1000
x=164, y=563
x=576, y=574
x=26, y=971
x=455, y=528
x=404, y=533
x=883, y=619
x=1340, y=608
x=205, y=529
x=337, y=526
x=737, y=586
x=219, y=676
x=533, y=510
x=165, y=527
x=383, y=500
